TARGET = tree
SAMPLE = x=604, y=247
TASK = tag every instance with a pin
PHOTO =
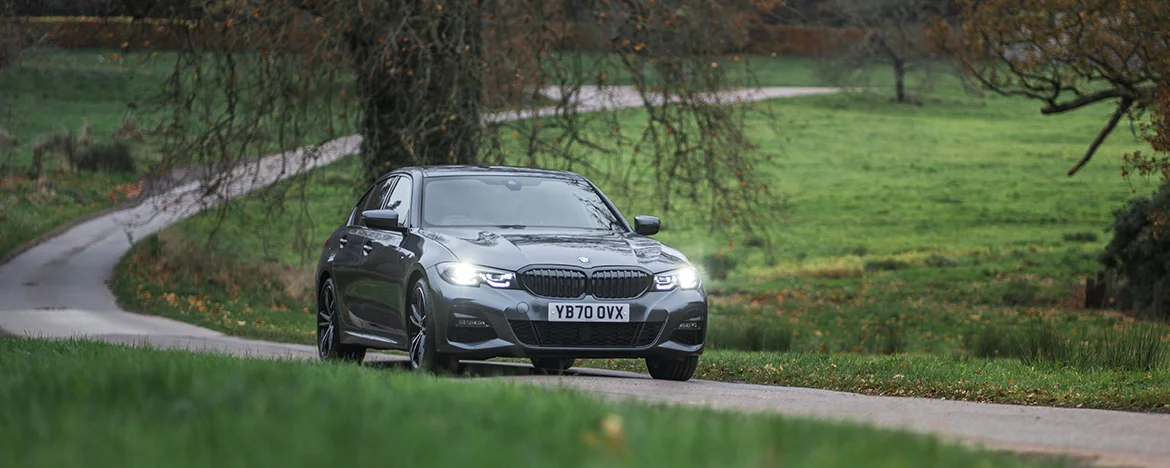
x=416, y=78
x=895, y=37
x=1071, y=54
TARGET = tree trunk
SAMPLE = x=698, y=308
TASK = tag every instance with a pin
x=900, y=79
x=420, y=106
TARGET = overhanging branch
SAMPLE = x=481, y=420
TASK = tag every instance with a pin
x=1122, y=108
x=1056, y=108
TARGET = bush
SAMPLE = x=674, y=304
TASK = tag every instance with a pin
x=1140, y=252
x=113, y=156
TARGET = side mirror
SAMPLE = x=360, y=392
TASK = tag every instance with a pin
x=646, y=225
x=385, y=220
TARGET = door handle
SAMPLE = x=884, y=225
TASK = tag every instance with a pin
x=366, y=249
x=343, y=241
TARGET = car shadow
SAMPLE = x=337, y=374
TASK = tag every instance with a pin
x=486, y=369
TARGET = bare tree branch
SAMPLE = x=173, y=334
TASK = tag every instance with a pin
x=1056, y=108
x=1122, y=108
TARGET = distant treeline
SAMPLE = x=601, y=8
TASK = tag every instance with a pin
x=792, y=13
x=102, y=8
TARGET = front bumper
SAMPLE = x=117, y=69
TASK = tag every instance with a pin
x=483, y=322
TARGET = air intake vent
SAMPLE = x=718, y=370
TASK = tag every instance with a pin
x=586, y=335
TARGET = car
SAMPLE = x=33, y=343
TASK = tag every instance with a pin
x=464, y=262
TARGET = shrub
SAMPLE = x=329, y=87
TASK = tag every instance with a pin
x=115, y=156
x=1140, y=252
x=54, y=152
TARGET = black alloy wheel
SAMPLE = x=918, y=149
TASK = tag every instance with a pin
x=421, y=327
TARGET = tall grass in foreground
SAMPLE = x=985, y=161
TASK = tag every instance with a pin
x=81, y=403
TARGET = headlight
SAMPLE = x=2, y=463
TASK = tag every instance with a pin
x=682, y=278
x=465, y=274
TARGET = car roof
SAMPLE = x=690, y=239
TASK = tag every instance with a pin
x=466, y=170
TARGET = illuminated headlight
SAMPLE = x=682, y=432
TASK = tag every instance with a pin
x=682, y=278
x=464, y=274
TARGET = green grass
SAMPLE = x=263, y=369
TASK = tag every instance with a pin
x=920, y=229
x=29, y=213
x=1003, y=380
x=62, y=91
x=740, y=70
x=73, y=403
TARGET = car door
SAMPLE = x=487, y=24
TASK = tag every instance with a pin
x=388, y=263
x=358, y=294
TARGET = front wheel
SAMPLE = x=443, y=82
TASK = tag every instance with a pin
x=680, y=369
x=329, y=345
x=423, y=356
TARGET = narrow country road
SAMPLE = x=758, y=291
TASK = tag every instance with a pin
x=58, y=289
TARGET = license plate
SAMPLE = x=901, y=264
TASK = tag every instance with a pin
x=584, y=312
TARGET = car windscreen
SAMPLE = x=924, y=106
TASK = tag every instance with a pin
x=511, y=201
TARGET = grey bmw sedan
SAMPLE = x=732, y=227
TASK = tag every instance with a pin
x=473, y=262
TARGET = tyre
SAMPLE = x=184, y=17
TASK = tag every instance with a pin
x=552, y=366
x=329, y=345
x=421, y=328
x=680, y=369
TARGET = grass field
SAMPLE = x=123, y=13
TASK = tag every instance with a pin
x=937, y=231
x=61, y=92
x=96, y=404
x=64, y=90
